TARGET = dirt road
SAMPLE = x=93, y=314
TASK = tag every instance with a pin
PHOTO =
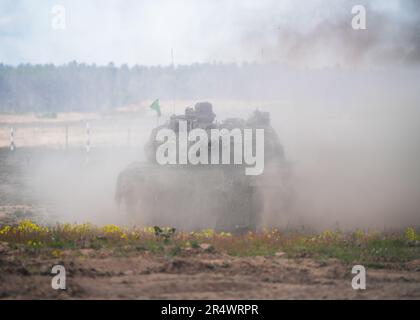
x=197, y=275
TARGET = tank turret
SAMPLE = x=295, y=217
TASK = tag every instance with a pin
x=205, y=196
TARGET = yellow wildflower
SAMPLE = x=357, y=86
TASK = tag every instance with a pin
x=5, y=230
x=225, y=234
x=56, y=253
x=412, y=235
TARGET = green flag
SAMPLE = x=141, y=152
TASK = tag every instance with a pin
x=156, y=106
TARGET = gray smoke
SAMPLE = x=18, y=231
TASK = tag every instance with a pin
x=320, y=33
x=308, y=33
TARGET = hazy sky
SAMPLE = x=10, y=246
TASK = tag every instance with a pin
x=306, y=32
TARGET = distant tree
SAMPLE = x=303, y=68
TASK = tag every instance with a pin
x=81, y=87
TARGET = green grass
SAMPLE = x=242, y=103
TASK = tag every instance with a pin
x=368, y=248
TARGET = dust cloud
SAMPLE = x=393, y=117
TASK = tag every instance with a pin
x=345, y=104
x=353, y=143
x=355, y=150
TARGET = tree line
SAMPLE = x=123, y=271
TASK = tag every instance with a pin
x=82, y=87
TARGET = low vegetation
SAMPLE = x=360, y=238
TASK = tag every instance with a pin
x=365, y=247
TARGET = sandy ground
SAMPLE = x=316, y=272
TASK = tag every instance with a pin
x=102, y=274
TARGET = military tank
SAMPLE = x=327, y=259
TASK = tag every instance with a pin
x=195, y=196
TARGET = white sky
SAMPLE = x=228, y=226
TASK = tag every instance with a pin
x=143, y=32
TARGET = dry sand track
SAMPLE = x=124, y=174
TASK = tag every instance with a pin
x=198, y=275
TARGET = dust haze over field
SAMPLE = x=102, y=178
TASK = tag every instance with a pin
x=345, y=103
x=353, y=167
